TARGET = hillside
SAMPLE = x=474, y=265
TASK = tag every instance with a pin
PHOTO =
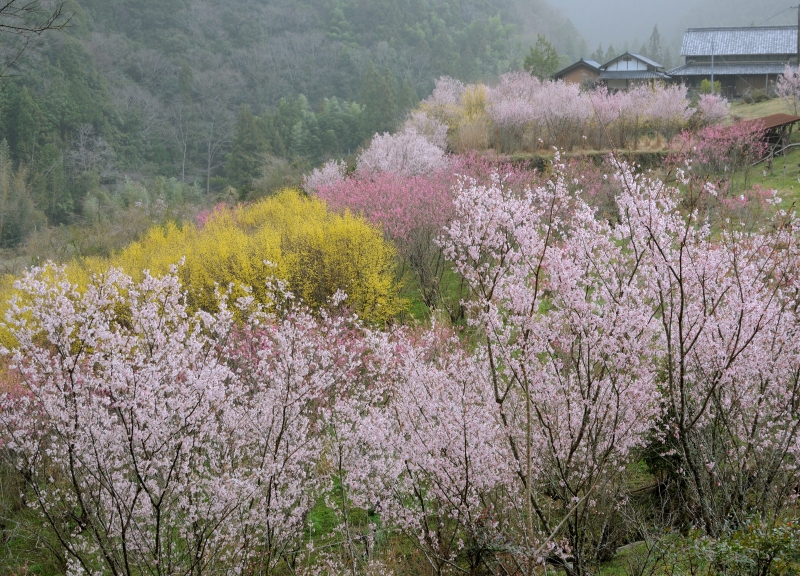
x=214, y=94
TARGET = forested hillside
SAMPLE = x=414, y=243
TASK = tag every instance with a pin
x=214, y=94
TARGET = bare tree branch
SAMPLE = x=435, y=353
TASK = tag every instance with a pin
x=32, y=16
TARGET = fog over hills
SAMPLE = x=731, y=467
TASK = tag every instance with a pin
x=619, y=21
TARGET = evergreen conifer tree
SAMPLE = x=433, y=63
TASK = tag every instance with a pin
x=248, y=147
x=654, y=49
x=543, y=59
x=379, y=99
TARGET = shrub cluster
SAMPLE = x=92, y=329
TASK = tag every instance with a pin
x=523, y=112
x=287, y=238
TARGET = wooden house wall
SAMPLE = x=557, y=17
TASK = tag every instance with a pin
x=627, y=65
x=579, y=75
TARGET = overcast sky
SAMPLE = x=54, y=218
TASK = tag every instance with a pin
x=618, y=21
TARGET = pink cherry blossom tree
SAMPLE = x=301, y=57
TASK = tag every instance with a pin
x=118, y=432
x=725, y=303
x=607, y=110
x=788, y=86
x=512, y=108
x=152, y=441
x=300, y=375
x=667, y=109
x=563, y=112
x=712, y=108
x=567, y=345
x=406, y=153
x=428, y=126
x=451, y=490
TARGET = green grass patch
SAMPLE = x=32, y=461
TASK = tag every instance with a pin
x=743, y=111
x=782, y=174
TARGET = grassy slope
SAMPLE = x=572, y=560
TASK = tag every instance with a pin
x=742, y=111
x=784, y=174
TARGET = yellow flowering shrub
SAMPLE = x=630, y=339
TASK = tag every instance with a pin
x=287, y=237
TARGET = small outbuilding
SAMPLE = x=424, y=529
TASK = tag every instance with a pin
x=581, y=72
x=776, y=130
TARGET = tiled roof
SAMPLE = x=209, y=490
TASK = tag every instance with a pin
x=628, y=56
x=583, y=61
x=632, y=75
x=740, y=40
x=728, y=69
x=646, y=60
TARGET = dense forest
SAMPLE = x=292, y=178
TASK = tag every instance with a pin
x=211, y=97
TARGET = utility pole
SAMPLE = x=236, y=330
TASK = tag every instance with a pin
x=712, y=64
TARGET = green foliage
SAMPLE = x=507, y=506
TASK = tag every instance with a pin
x=653, y=48
x=18, y=214
x=756, y=548
x=380, y=102
x=705, y=86
x=598, y=55
x=250, y=144
x=150, y=18
x=543, y=59
x=295, y=130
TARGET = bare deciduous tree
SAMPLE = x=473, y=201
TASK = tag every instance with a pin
x=21, y=20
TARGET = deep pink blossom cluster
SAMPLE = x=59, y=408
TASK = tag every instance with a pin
x=403, y=204
x=399, y=204
x=715, y=153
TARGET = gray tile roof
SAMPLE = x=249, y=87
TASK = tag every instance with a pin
x=728, y=69
x=647, y=61
x=583, y=61
x=632, y=75
x=740, y=40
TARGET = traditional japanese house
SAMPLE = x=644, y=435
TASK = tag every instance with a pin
x=629, y=70
x=742, y=59
x=581, y=72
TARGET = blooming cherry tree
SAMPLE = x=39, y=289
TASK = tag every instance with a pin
x=118, y=431
x=406, y=153
x=712, y=108
x=788, y=86
x=567, y=344
x=327, y=175
x=726, y=305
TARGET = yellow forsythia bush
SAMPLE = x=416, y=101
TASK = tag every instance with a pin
x=286, y=237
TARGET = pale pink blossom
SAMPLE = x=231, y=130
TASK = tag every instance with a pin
x=327, y=175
